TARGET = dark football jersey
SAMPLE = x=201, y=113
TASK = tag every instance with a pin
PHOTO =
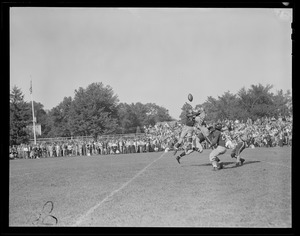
x=218, y=139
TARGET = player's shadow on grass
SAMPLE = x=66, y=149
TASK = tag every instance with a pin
x=231, y=164
x=206, y=164
x=228, y=164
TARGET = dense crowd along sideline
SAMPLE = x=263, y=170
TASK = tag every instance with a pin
x=265, y=132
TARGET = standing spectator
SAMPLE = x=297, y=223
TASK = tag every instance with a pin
x=36, y=152
x=53, y=150
x=61, y=148
x=73, y=149
x=80, y=148
x=124, y=140
x=32, y=153
x=25, y=150
x=19, y=151
x=84, y=149
x=132, y=146
x=97, y=146
x=128, y=146
x=100, y=144
x=109, y=147
x=50, y=149
x=11, y=153
x=285, y=136
x=91, y=149
x=289, y=139
x=28, y=151
x=93, y=146
x=76, y=151
x=136, y=145
x=57, y=150
x=269, y=140
x=105, y=145
x=87, y=147
x=114, y=146
x=39, y=151
x=280, y=139
x=152, y=146
x=121, y=146
x=69, y=149
x=44, y=150
x=65, y=149
x=140, y=145
x=148, y=145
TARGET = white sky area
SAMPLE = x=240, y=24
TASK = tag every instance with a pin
x=156, y=55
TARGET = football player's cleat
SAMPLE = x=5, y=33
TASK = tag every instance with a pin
x=241, y=162
x=178, y=159
x=216, y=168
x=220, y=165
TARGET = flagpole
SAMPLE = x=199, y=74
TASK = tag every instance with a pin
x=33, y=118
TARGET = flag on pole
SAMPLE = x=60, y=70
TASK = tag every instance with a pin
x=30, y=89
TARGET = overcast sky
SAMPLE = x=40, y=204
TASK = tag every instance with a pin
x=157, y=55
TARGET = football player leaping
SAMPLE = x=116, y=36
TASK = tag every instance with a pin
x=188, y=129
x=190, y=147
x=201, y=125
x=199, y=122
x=198, y=138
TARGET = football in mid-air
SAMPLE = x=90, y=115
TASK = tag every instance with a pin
x=190, y=97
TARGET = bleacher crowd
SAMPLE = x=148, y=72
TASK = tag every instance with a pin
x=265, y=132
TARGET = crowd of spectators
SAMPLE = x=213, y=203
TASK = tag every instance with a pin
x=75, y=147
x=265, y=132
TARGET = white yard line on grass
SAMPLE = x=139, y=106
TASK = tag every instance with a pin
x=91, y=210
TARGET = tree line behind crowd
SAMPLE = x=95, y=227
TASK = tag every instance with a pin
x=96, y=110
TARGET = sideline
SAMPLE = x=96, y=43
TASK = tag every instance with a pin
x=91, y=210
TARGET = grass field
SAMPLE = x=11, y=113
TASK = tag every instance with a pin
x=152, y=189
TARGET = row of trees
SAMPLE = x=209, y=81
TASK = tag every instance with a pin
x=93, y=111
x=256, y=102
x=96, y=110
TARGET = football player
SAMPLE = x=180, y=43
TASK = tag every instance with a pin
x=187, y=130
x=199, y=122
x=190, y=147
x=218, y=144
x=198, y=138
x=241, y=145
